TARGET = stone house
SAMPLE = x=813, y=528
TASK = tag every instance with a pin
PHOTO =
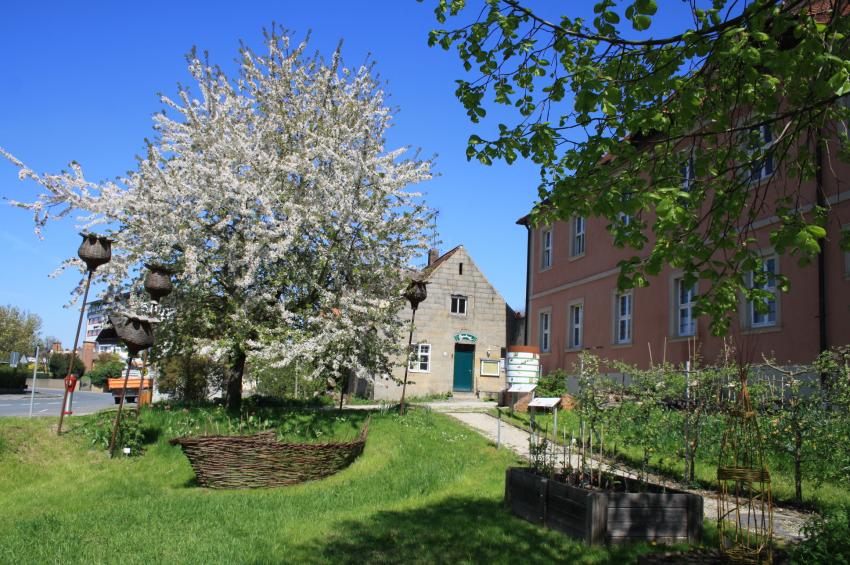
x=460, y=333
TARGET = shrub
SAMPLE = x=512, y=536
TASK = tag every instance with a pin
x=827, y=539
x=552, y=384
x=13, y=377
x=59, y=365
x=99, y=431
x=105, y=370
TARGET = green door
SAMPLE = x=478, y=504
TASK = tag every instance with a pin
x=464, y=355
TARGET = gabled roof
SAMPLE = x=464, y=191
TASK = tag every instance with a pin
x=427, y=271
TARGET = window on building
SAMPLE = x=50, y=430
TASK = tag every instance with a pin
x=763, y=312
x=460, y=268
x=546, y=250
x=545, y=328
x=420, y=358
x=576, y=321
x=685, y=301
x=762, y=166
x=458, y=304
x=623, y=318
x=578, y=236
x=625, y=219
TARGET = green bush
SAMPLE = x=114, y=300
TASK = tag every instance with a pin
x=12, y=377
x=99, y=432
x=827, y=539
x=59, y=365
x=105, y=370
x=552, y=384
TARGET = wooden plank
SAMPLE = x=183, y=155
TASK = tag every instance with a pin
x=650, y=514
x=664, y=540
x=695, y=516
x=648, y=530
x=644, y=499
x=566, y=506
x=568, y=491
x=597, y=518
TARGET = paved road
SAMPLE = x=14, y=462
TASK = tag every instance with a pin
x=47, y=403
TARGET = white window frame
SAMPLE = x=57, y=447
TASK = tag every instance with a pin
x=579, y=236
x=575, y=325
x=623, y=321
x=546, y=249
x=455, y=302
x=757, y=319
x=421, y=355
x=685, y=310
x=760, y=169
x=625, y=219
x=544, y=337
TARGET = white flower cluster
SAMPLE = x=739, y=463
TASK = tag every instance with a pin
x=274, y=197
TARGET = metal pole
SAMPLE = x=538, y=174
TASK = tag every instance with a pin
x=407, y=363
x=120, y=408
x=34, y=373
x=74, y=354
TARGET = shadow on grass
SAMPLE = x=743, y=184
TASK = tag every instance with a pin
x=457, y=530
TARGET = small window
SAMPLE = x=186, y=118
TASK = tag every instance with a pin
x=578, y=236
x=762, y=167
x=763, y=313
x=546, y=250
x=625, y=219
x=460, y=268
x=420, y=358
x=576, y=323
x=623, y=318
x=685, y=300
x=458, y=305
x=545, y=322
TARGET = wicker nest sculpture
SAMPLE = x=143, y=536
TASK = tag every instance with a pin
x=261, y=461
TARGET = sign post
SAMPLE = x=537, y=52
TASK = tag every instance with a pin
x=34, y=377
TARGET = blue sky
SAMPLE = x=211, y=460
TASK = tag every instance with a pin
x=79, y=82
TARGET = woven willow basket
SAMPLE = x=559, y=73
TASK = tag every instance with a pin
x=260, y=461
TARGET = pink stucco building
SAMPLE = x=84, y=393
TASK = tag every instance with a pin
x=573, y=304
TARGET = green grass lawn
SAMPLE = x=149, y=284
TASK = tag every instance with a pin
x=426, y=490
x=666, y=461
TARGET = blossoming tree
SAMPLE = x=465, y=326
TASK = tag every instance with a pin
x=273, y=195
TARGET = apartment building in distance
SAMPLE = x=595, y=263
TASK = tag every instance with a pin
x=573, y=303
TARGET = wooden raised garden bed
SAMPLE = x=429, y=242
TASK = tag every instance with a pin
x=260, y=460
x=600, y=516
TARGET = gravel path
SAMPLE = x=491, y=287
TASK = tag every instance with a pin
x=786, y=522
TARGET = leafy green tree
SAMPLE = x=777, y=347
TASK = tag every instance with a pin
x=663, y=135
x=58, y=365
x=18, y=331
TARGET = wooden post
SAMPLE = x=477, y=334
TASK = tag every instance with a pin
x=74, y=354
x=120, y=408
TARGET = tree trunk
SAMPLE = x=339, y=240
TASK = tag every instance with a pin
x=234, y=383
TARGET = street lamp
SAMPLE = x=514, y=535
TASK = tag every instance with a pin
x=415, y=293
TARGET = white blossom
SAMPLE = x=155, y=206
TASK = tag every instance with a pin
x=274, y=196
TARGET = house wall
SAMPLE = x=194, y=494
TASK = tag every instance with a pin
x=486, y=318
x=592, y=279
